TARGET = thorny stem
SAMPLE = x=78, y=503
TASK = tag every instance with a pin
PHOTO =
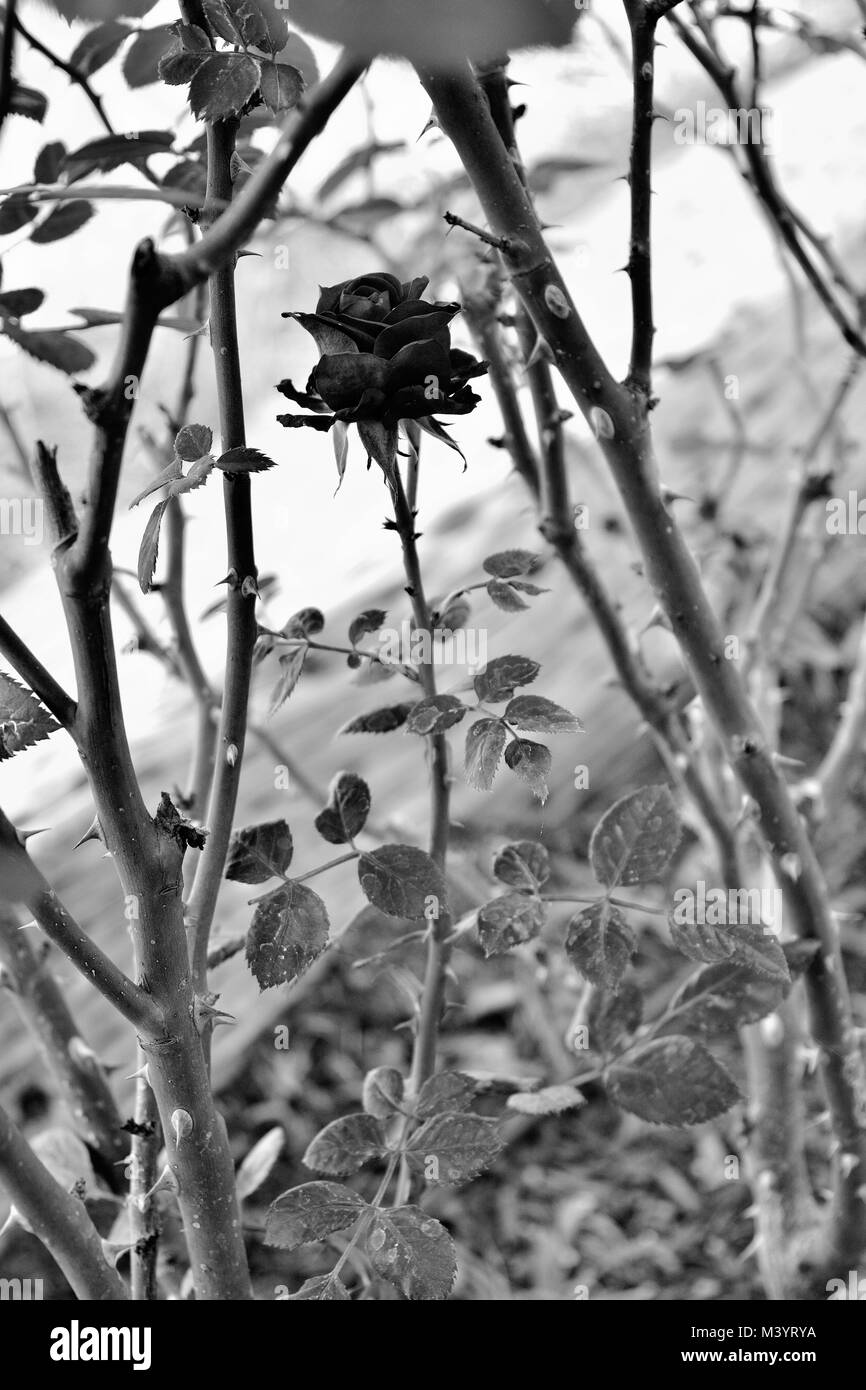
x=79, y=1074
x=464, y=116
x=241, y=599
x=146, y=1142
x=438, y=947
x=58, y=1218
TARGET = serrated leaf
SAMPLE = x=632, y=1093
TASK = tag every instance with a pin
x=282, y=86
x=258, y=1163
x=98, y=46
x=168, y=475
x=435, y=714
x=508, y=564
x=525, y=864
x=462, y=1145
x=446, y=1092
x=369, y=621
x=48, y=162
x=508, y=921
x=150, y=547
x=55, y=348
x=541, y=716
x=383, y=1092
x=259, y=852
x=345, y=1145
x=485, y=743
x=505, y=597
x=551, y=1100
x=244, y=460
x=15, y=212
x=292, y=664
x=742, y=943
x=600, y=943
x=27, y=101
x=307, y=622
x=531, y=762
x=310, y=1213
x=672, y=1081
x=178, y=66
x=23, y=720
x=222, y=86
x=16, y=303
x=400, y=879
x=62, y=221
x=141, y=60
x=414, y=1252
x=326, y=1287
x=379, y=721
x=346, y=812
x=636, y=838
x=502, y=676
x=719, y=998
x=111, y=151
x=288, y=931
x=193, y=442
x=613, y=1016
x=298, y=54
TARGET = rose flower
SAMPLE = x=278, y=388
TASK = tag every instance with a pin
x=386, y=357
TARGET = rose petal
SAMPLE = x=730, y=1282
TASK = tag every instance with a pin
x=328, y=335
x=371, y=406
x=287, y=388
x=362, y=334
x=423, y=363
x=464, y=366
x=375, y=306
x=421, y=328
x=312, y=422
x=412, y=308
x=414, y=289
x=341, y=378
x=329, y=296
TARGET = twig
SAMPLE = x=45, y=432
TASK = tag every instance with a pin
x=843, y=758
x=642, y=21
x=763, y=179
x=242, y=586
x=71, y=72
x=23, y=883
x=438, y=948
x=58, y=1218
x=75, y=1066
x=34, y=674
x=142, y=1200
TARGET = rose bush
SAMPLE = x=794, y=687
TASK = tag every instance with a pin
x=386, y=357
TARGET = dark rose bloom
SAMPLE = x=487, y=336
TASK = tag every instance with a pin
x=386, y=357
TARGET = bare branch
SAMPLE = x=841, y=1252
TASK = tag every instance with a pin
x=58, y=1218
x=78, y=1072
x=24, y=883
x=642, y=21
x=34, y=674
x=71, y=72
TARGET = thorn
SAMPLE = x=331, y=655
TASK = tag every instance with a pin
x=231, y=579
x=181, y=1124
x=541, y=352
x=142, y=1072
x=205, y=1015
x=658, y=618
x=250, y=587
x=166, y=1182
x=93, y=832
x=669, y=496
x=25, y=835
x=232, y=754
